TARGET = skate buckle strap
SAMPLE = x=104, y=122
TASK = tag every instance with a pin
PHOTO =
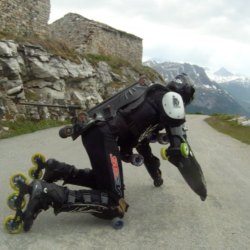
x=71, y=197
x=123, y=206
x=44, y=203
x=87, y=198
x=104, y=198
x=110, y=120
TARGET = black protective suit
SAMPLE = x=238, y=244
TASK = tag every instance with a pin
x=108, y=142
x=134, y=123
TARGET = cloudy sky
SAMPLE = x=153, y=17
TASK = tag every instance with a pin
x=208, y=33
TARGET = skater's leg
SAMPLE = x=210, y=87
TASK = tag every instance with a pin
x=101, y=146
x=43, y=195
x=55, y=170
x=151, y=162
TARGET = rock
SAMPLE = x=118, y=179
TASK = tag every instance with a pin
x=78, y=97
x=44, y=113
x=11, y=106
x=115, y=77
x=79, y=71
x=48, y=71
x=8, y=49
x=241, y=119
x=47, y=93
x=11, y=67
x=38, y=52
x=103, y=72
x=130, y=73
x=38, y=83
x=19, y=117
x=59, y=85
x=96, y=95
x=246, y=123
x=6, y=129
x=50, y=79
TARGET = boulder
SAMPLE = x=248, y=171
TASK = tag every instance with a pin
x=8, y=49
x=10, y=67
x=241, y=119
x=246, y=123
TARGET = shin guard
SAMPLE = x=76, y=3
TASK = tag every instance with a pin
x=97, y=203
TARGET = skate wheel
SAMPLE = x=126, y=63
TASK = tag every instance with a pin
x=152, y=138
x=18, y=177
x=162, y=139
x=158, y=182
x=11, y=201
x=37, y=156
x=13, y=229
x=163, y=154
x=32, y=173
x=65, y=132
x=117, y=223
x=184, y=149
x=136, y=160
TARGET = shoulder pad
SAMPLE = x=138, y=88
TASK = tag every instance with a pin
x=173, y=105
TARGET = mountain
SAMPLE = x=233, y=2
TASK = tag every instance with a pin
x=210, y=97
x=223, y=72
x=237, y=86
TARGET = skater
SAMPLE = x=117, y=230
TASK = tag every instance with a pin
x=113, y=141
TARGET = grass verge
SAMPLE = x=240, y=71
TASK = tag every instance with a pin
x=222, y=123
x=23, y=126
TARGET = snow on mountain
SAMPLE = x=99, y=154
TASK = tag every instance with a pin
x=237, y=86
x=227, y=79
x=211, y=97
x=223, y=72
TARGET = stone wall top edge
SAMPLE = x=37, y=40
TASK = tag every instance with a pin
x=95, y=23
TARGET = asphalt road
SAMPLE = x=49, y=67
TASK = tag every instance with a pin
x=168, y=217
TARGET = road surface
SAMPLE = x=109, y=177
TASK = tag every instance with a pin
x=169, y=217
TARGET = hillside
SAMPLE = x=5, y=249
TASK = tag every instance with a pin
x=51, y=73
x=210, y=97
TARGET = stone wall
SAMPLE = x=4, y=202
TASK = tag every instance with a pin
x=88, y=36
x=48, y=78
x=25, y=16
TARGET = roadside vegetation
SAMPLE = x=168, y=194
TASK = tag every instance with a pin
x=224, y=124
x=24, y=126
x=221, y=122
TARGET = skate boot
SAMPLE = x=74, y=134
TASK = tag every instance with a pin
x=104, y=205
x=42, y=195
x=158, y=181
x=98, y=203
x=54, y=170
x=151, y=162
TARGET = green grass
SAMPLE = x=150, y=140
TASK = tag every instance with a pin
x=24, y=126
x=56, y=47
x=117, y=63
x=222, y=123
x=115, y=84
